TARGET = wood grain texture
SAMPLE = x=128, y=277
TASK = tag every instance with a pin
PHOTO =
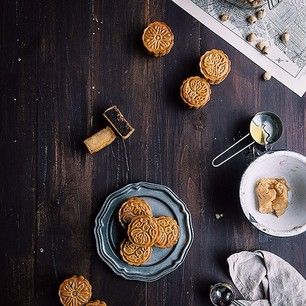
x=62, y=64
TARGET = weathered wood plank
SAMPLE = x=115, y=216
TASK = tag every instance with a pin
x=76, y=60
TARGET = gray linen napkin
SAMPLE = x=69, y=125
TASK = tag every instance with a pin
x=265, y=279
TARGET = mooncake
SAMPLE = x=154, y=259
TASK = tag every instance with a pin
x=215, y=66
x=133, y=254
x=132, y=208
x=75, y=291
x=169, y=232
x=143, y=231
x=158, y=38
x=195, y=92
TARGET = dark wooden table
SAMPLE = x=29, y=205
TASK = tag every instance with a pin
x=62, y=64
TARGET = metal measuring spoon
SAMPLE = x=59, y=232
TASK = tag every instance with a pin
x=222, y=294
x=270, y=126
x=265, y=129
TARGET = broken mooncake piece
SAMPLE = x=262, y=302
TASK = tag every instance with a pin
x=272, y=195
x=117, y=121
x=118, y=126
x=100, y=140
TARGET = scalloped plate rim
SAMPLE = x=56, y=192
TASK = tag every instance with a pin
x=121, y=270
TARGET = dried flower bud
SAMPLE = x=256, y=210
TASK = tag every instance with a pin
x=251, y=19
x=261, y=14
x=251, y=37
x=267, y=76
x=265, y=50
x=261, y=45
x=285, y=37
x=224, y=17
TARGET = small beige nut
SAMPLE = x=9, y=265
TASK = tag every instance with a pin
x=251, y=19
x=261, y=14
x=218, y=216
x=267, y=76
x=251, y=37
x=285, y=37
x=261, y=45
x=265, y=50
x=224, y=17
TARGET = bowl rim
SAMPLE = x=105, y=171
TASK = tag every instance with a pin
x=293, y=232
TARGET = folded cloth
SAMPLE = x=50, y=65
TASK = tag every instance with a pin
x=265, y=279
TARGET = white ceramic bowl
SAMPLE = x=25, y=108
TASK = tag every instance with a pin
x=292, y=167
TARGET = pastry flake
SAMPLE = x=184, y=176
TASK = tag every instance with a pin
x=75, y=291
x=133, y=254
x=215, y=66
x=195, y=92
x=158, y=38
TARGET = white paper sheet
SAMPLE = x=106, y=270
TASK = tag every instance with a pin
x=287, y=63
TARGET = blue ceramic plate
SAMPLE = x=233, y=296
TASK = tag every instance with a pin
x=109, y=233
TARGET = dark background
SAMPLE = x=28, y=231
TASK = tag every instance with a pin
x=76, y=58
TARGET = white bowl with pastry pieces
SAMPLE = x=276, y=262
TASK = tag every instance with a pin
x=286, y=165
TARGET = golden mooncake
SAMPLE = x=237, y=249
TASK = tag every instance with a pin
x=133, y=254
x=158, y=38
x=132, y=208
x=215, y=66
x=195, y=92
x=96, y=303
x=143, y=231
x=75, y=291
x=169, y=232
